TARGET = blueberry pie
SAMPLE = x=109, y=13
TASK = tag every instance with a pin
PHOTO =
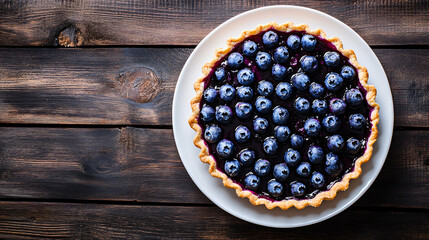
x=284, y=116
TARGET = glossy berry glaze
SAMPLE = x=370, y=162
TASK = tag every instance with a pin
x=295, y=122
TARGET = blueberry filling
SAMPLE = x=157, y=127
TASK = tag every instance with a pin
x=283, y=115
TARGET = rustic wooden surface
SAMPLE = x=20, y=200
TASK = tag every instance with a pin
x=84, y=153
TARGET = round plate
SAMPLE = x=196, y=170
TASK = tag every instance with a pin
x=212, y=187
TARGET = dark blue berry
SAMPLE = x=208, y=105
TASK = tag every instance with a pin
x=312, y=127
x=308, y=42
x=265, y=88
x=252, y=182
x=262, y=167
x=278, y=72
x=337, y=106
x=316, y=90
x=281, y=55
x=220, y=74
x=317, y=180
x=293, y=41
x=245, y=76
x=227, y=93
x=296, y=141
x=357, y=121
x=292, y=158
x=304, y=169
x=275, y=189
x=332, y=59
x=302, y=105
x=300, y=81
x=210, y=95
x=281, y=172
x=213, y=133
x=315, y=154
x=246, y=157
x=243, y=110
x=353, y=146
x=263, y=105
x=280, y=115
x=333, y=82
x=263, y=60
x=223, y=114
x=319, y=107
x=309, y=64
x=242, y=134
x=333, y=165
x=284, y=90
x=354, y=97
x=260, y=125
x=225, y=148
x=281, y=133
x=297, y=189
x=331, y=123
x=207, y=113
x=270, y=39
x=348, y=73
x=232, y=168
x=235, y=60
x=270, y=146
x=335, y=143
x=245, y=93
x=250, y=48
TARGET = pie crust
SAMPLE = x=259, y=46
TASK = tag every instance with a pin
x=285, y=204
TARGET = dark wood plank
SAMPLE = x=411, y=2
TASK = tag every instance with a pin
x=85, y=86
x=93, y=221
x=97, y=22
x=142, y=165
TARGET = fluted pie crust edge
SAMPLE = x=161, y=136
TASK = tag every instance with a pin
x=284, y=204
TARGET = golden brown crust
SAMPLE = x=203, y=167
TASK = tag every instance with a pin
x=285, y=204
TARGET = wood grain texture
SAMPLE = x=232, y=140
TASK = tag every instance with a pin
x=142, y=165
x=93, y=221
x=81, y=86
x=38, y=23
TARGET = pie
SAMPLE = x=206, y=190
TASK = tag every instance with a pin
x=284, y=115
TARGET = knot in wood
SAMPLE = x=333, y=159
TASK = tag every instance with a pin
x=139, y=84
x=70, y=37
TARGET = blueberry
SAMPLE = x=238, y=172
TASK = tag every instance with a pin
x=296, y=141
x=353, y=146
x=354, y=97
x=304, y=169
x=227, y=93
x=281, y=55
x=263, y=60
x=300, y=81
x=207, y=113
x=245, y=93
x=335, y=143
x=278, y=72
x=245, y=76
x=274, y=188
x=213, y=133
x=243, y=110
x=315, y=154
x=246, y=157
x=242, y=134
x=309, y=64
x=312, y=127
x=235, y=60
x=292, y=158
x=284, y=90
x=333, y=165
x=281, y=172
x=308, y=42
x=281, y=133
x=270, y=39
x=263, y=105
x=250, y=48
x=252, y=182
x=220, y=74
x=332, y=59
x=331, y=123
x=319, y=107
x=280, y=115
x=317, y=180
x=262, y=167
x=225, y=148
x=265, y=88
x=210, y=95
x=297, y=189
x=357, y=121
x=232, y=168
x=293, y=41
x=223, y=114
x=333, y=82
x=348, y=73
x=270, y=146
x=316, y=90
x=337, y=106
x=260, y=125
x=302, y=105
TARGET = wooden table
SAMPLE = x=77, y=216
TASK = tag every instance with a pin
x=86, y=142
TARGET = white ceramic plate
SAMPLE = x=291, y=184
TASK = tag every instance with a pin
x=212, y=187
